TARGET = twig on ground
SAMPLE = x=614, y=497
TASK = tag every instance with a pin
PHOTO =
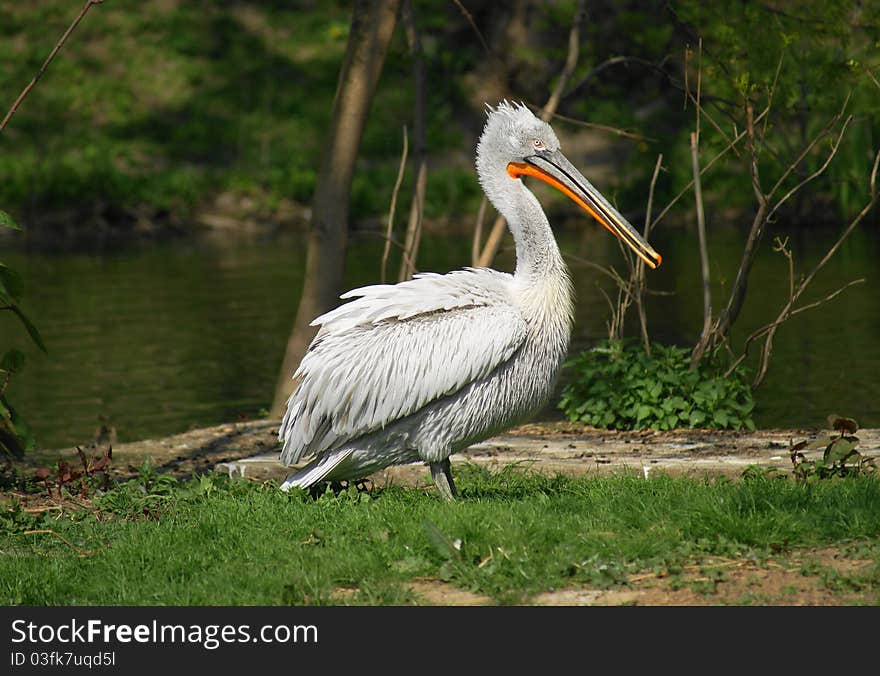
x=48, y=531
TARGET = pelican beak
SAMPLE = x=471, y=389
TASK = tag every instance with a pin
x=553, y=168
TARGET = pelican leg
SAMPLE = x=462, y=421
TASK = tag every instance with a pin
x=441, y=473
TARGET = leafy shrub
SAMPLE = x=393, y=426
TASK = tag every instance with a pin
x=15, y=436
x=618, y=386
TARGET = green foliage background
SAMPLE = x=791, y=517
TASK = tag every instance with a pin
x=155, y=107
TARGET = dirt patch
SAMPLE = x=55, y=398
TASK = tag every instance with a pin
x=440, y=593
x=252, y=447
x=814, y=577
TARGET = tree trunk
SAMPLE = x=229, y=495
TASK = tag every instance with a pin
x=372, y=26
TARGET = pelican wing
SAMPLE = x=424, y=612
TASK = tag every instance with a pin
x=396, y=348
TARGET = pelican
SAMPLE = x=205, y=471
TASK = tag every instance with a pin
x=419, y=370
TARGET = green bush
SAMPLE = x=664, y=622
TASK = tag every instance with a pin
x=15, y=435
x=618, y=386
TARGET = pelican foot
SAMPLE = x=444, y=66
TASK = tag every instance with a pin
x=441, y=473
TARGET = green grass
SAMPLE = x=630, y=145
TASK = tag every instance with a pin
x=213, y=540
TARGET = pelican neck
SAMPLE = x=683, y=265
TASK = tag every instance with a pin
x=537, y=253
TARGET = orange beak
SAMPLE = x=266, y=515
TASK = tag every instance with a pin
x=555, y=170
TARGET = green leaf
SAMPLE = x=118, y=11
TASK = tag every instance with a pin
x=12, y=361
x=839, y=450
x=7, y=222
x=697, y=418
x=441, y=544
x=15, y=436
x=31, y=329
x=11, y=285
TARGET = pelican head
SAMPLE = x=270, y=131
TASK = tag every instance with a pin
x=515, y=143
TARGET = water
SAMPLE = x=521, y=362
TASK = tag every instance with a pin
x=162, y=337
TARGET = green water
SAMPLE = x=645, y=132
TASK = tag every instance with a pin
x=159, y=338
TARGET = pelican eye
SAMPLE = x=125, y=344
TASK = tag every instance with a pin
x=538, y=144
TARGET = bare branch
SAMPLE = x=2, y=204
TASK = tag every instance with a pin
x=493, y=242
x=738, y=291
x=736, y=139
x=812, y=144
x=787, y=311
x=420, y=185
x=390, y=228
x=781, y=319
x=834, y=147
x=639, y=277
x=700, y=347
x=616, y=61
x=45, y=65
x=656, y=174
x=470, y=19
x=571, y=59
x=608, y=271
x=603, y=127
x=695, y=143
x=872, y=76
x=478, y=232
x=772, y=92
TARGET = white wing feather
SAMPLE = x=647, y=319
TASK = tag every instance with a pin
x=396, y=348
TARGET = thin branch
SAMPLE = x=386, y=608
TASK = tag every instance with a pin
x=806, y=151
x=478, y=232
x=417, y=206
x=639, y=281
x=609, y=271
x=787, y=312
x=616, y=61
x=772, y=93
x=612, y=323
x=781, y=319
x=754, y=171
x=493, y=242
x=872, y=76
x=647, y=230
x=390, y=227
x=571, y=60
x=45, y=65
x=738, y=290
x=739, y=137
x=696, y=143
x=602, y=127
x=852, y=226
x=470, y=19
x=700, y=347
x=834, y=147
x=414, y=226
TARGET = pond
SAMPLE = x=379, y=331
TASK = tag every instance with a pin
x=161, y=337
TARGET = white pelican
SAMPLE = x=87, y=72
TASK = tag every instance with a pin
x=419, y=370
